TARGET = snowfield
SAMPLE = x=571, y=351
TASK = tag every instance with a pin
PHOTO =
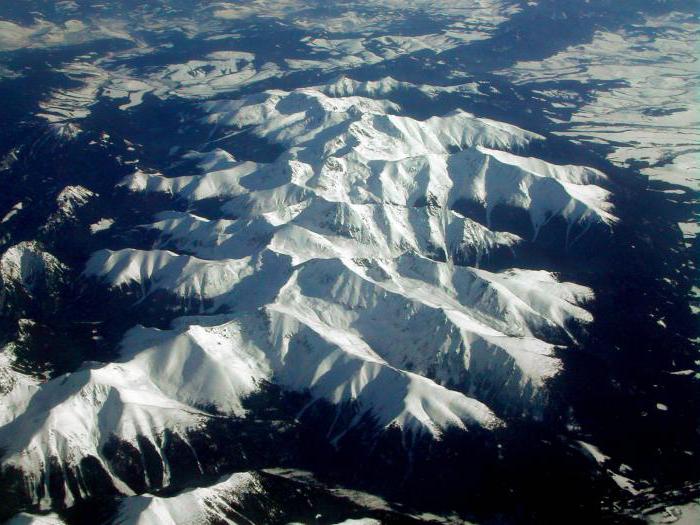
x=342, y=270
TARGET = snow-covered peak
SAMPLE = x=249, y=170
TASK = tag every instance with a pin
x=198, y=505
x=72, y=197
x=362, y=213
x=349, y=270
x=73, y=417
x=358, y=149
x=16, y=388
x=345, y=86
x=302, y=116
x=27, y=265
x=69, y=201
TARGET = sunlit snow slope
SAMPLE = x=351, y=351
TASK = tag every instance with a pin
x=343, y=270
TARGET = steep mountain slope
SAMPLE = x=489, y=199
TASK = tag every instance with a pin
x=344, y=271
x=26, y=272
x=299, y=261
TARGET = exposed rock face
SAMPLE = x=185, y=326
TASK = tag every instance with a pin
x=70, y=202
x=28, y=275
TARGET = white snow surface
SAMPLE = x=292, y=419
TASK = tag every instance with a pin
x=361, y=521
x=16, y=388
x=198, y=505
x=73, y=416
x=69, y=201
x=341, y=233
x=103, y=224
x=27, y=265
x=330, y=271
x=25, y=518
x=685, y=514
x=657, y=57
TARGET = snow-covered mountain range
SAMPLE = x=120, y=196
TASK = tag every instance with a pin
x=343, y=270
x=293, y=262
